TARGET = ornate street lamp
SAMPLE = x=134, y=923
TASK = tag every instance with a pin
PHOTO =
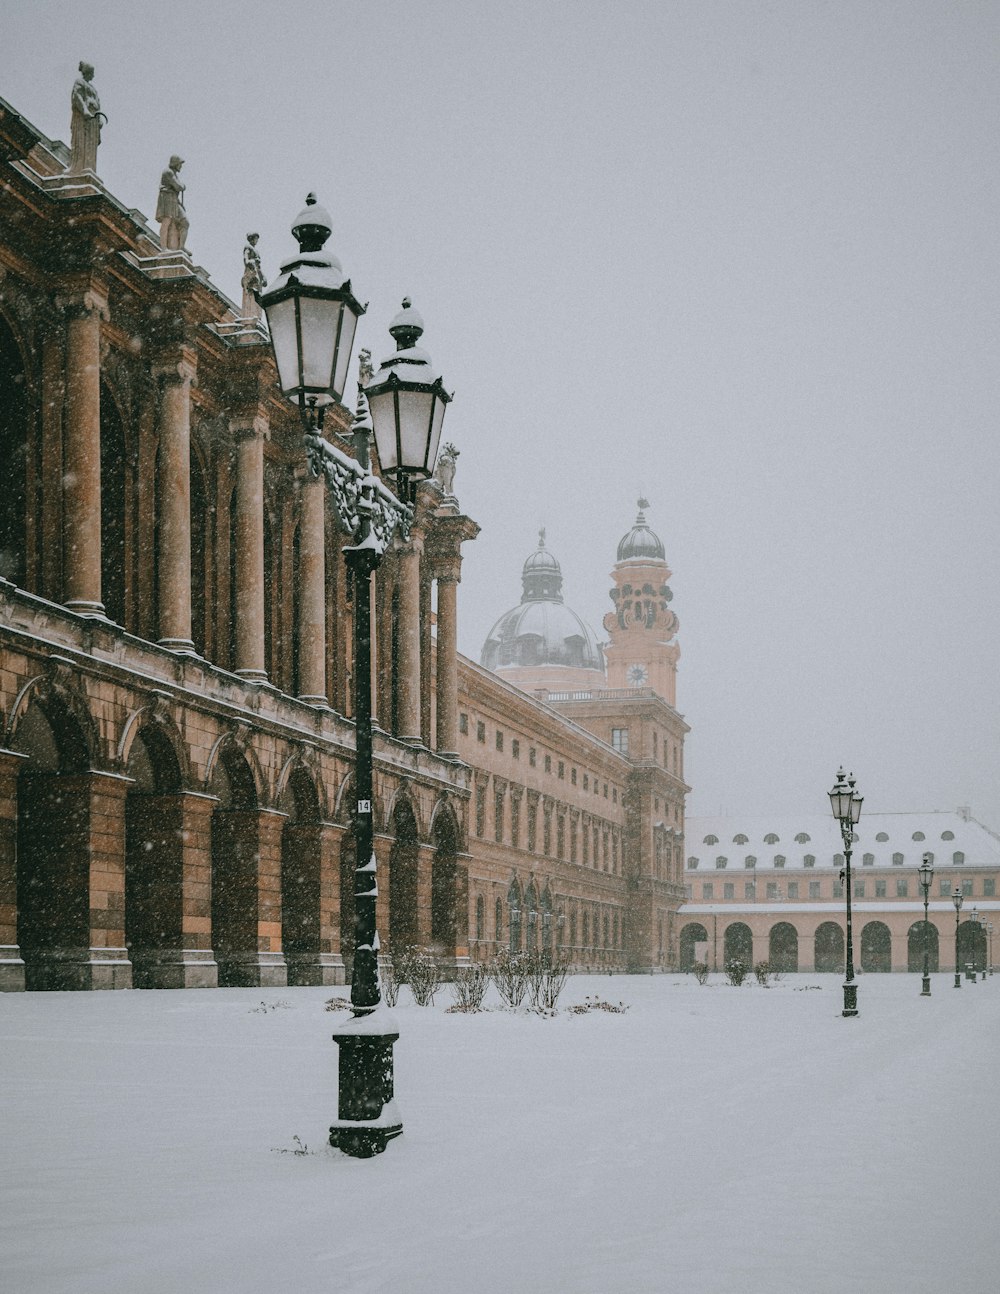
x=926, y=874
x=956, y=898
x=974, y=918
x=846, y=805
x=989, y=930
x=312, y=314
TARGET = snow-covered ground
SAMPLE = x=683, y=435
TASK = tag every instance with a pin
x=709, y=1139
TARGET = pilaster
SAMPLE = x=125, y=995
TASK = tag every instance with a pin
x=176, y=376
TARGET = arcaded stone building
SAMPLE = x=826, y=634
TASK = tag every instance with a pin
x=175, y=661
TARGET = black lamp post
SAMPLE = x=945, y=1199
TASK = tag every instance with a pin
x=989, y=931
x=956, y=898
x=312, y=315
x=973, y=959
x=846, y=805
x=926, y=874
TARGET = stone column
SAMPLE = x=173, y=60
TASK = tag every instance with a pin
x=174, y=502
x=249, y=530
x=82, y=454
x=408, y=641
x=447, y=662
x=312, y=592
x=11, y=962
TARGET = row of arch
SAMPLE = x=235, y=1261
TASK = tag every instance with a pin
x=874, y=950
x=132, y=877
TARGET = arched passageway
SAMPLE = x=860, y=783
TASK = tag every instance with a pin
x=828, y=948
x=449, y=890
x=246, y=882
x=70, y=848
x=876, y=948
x=403, y=869
x=302, y=925
x=738, y=943
x=154, y=862
x=915, y=947
x=783, y=948
x=694, y=944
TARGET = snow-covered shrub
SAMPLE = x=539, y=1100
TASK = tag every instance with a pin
x=700, y=970
x=390, y=983
x=763, y=972
x=509, y=972
x=552, y=985
x=597, y=1004
x=469, y=986
x=736, y=971
x=416, y=967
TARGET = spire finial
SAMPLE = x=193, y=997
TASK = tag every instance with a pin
x=541, y=537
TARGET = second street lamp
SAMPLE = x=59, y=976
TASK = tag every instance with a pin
x=846, y=805
x=956, y=898
x=312, y=314
x=926, y=875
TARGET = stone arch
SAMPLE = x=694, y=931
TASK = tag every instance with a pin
x=876, y=947
x=444, y=806
x=236, y=869
x=783, y=947
x=156, y=831
x=65, y=708
x=153, y=723
x=404, y=792
x=828, y=948
x=738, y=943
x=301, y=876
x=232, y=750
x=58, y=897
x=915, y=947
x=693, y=944
x=404, y=859
x=516, y=910
x=306, y=762
x=449, y=891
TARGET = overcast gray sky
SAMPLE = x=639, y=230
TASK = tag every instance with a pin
x=740, y=257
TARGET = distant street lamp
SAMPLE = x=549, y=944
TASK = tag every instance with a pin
x=926, y=874
x=312, y=315
x=846, y=805
x=989, y=929
x=956, y=898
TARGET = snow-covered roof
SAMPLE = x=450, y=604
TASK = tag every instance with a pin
x=881, y=839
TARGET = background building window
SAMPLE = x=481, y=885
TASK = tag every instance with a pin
x=880, y=889
x=480, y=810
x=749, y=889
x=793, y=889
x=814, y=889
x=729, y=890
x=902, y=887
x=480, y=731
x=515, y=748
x=499, y=740
x=463, y=724
x=708, y=890
x=619, y=740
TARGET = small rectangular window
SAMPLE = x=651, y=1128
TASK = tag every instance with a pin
x=480, y=731
x=532, y=756
x=562, y=771
x=605, y=790
x=944, y=887
x=548, y=763
x=989, y=888
x=619, y=740
x=572, y=776
x=708, y=890
x=859, y=889
x=902, y=887
x=729, y=890
x=814, y=889
x=586, y=781
x=515, y=748
x=772, y=889
x=463, y=724
x=499, y=740
x=838, y=889
x=880, y=888
x=749, y=889
x=793, y=889
x=967, y=886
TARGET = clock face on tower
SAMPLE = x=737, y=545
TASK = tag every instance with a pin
x=637, y=675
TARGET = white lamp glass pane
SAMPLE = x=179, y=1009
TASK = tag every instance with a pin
x=319, y=335
x=347, y=330
x=383, y=410
x=415, y=408
x=281, y=323
x=436, y=424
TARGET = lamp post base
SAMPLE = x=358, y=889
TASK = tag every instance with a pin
x=850, y=998
x=367, y=1117
x=958, y=979
x=925, y=990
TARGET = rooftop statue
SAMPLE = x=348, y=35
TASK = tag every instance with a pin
x=170, y=208
x=444, y=472
x=253, y=280
x=85, y=123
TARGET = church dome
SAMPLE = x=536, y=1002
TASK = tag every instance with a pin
x=542, y=630
x=641, y=544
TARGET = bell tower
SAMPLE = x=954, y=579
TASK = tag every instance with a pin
x=642, y=651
